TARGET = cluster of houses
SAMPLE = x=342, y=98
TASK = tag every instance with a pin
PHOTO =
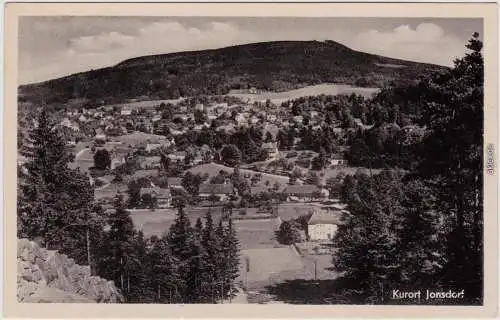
x=108, y=123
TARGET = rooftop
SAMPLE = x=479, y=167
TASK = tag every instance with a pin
x=306, y=189
x=326, y=217
x=216, y=188
x=156, y=192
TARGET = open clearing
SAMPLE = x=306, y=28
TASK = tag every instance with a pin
x=327, y=89
x=138, y=138
x=328, y=173
x=157, y=222
x=253, y=234
x=212, y=169
x=269, y=265
x=145, y=104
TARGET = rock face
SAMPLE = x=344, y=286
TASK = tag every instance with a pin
x=48, y=276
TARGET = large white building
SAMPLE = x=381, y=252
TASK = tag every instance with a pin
x=323, y=225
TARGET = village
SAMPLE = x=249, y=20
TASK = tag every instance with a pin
x=220, y=160
x=286, y=213
x=137, y=142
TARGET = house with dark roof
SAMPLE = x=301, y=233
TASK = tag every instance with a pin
x=257, y=190
x=161, y=195
x=306, y=192
x=323, y=224
x=221, y=191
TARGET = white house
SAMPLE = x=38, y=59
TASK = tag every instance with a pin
x=298, y=119
x=100, y=136
x=126, y=112
x=152, y=146
x=241, y=118
x=323, y=225
x=313, y=114
x=117, y=161
x=162, y=196
x=177, y=156
x=175, y=132
x=338, y=162
x=253, y=120
x=65, y=122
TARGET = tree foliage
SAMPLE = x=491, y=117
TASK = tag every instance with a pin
x=424, y=228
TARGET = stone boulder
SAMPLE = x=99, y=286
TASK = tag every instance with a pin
x=48, y=276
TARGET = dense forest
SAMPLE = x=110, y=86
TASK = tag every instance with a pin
x=424, y=228
x=276, y=66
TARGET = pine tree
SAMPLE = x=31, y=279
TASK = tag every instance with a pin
x=453, y=113
x=198, y=230
x=231, y=259
x=220, y=262
x=210, y=245
x=54, y=201
x=117, y=250
x=82, y=227
x=180, y=241
x=139, y=272
x=196, y=281
x=367, y=243
x=421, y=251
x=164, y=277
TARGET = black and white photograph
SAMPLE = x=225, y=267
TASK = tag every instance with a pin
x=251, y=160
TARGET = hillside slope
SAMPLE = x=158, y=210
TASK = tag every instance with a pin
x=275, y=66
x=47, y=276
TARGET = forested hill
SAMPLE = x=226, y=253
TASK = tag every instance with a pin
x=276, y=66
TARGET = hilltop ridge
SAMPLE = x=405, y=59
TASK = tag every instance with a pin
x=274, y=66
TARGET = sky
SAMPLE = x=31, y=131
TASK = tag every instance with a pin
x=52, y=47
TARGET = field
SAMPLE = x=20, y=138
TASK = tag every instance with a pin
x=269, y=262
x=251, y=233
x=347, y=171
x=157, y=222
x=254, y=234
x=327, y=89
x=290, y=211
x=269, y=265
x=146, y=104
x=84, y=159
x=138, y=138
x=212, y=169
x=111, y=190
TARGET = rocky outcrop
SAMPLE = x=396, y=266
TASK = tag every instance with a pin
x=48, y=276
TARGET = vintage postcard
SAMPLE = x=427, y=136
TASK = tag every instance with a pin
x=251, y=160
